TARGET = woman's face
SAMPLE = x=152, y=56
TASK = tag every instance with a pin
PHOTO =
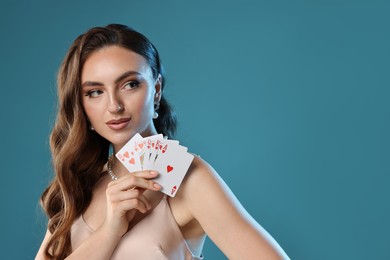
x=118, y=94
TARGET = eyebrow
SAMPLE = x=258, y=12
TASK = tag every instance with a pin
x=119, y=79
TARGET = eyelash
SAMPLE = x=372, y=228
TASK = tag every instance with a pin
x=91, y=92
x=133, y=84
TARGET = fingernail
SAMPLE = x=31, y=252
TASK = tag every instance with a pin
x=157, y=186
x=153, y=173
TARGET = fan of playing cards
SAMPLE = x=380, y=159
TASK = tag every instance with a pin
x=167, y=157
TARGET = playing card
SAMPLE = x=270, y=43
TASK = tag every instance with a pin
x=167, y=157
x=146, y=148
x=128, y=155
x=172, y=166
x=161, y=146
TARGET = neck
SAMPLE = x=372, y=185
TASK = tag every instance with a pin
x=117, y=168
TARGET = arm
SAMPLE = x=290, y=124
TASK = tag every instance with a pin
x=223, y=218
x=124, y=197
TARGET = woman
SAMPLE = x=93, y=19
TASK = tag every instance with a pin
x=110, y=87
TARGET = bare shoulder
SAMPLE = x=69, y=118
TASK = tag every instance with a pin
x=201, y=189
x=200, y=176
x=199, y=171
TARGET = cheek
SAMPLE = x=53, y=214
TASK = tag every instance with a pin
x=91, y=112
x=145, y=103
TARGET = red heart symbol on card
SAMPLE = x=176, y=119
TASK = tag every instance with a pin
x=141, y=145
x=169, y=168
x=132, y=161
x=173, y=189
x=126, y=154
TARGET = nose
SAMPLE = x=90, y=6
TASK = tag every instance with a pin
x=115, y=105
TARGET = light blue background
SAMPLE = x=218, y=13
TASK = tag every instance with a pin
x=288, y=100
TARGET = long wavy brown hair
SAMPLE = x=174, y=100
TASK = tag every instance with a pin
x=79, y=154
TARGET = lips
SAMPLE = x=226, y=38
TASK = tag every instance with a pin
x=118, y=124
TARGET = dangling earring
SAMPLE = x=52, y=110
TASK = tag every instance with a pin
x=156, y=107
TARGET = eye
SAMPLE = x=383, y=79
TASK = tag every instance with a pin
x=131, y=85
x=94, y=93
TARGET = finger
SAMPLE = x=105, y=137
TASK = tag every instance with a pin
x=142, y=198
x=126, y=205
x=130, y=194
x=148, y=174
x=125, y=195
x=133, y=180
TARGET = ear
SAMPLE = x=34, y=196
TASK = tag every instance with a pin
x=158, y=89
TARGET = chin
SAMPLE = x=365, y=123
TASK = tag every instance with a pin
x=120, y=139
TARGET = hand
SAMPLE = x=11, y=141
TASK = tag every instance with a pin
x=124, y=197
